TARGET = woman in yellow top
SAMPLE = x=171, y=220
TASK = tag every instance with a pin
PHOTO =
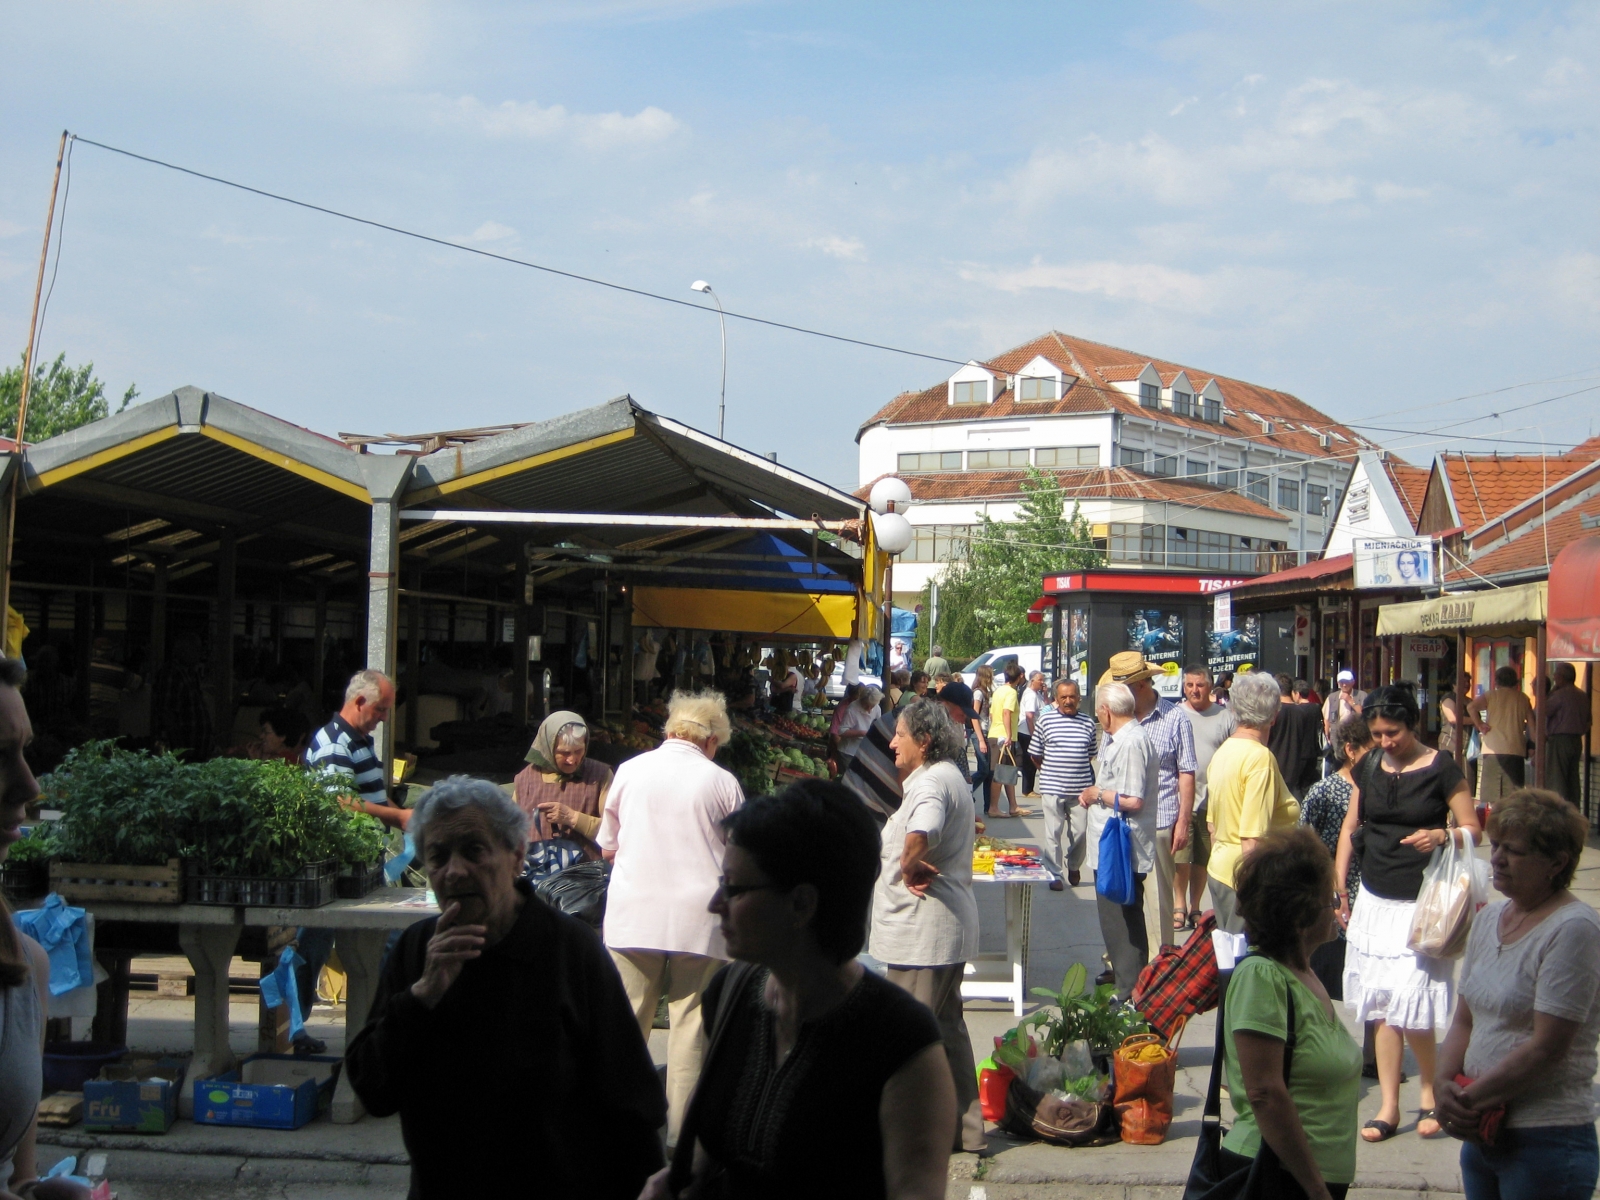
x=1246, y=795
x=1003, y=707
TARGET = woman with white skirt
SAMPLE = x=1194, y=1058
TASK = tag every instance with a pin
x=1404, y=801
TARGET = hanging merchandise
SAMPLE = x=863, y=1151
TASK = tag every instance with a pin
x=63, y=931
x=280, y=988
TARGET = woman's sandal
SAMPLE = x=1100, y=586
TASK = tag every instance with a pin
x=1194, y=919
x=1428, y=1114
x=1180, y=919
x=1385, y=1131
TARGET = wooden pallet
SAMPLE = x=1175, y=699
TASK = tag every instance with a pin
x=106, y=881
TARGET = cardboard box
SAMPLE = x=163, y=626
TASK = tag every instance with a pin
x=268, y=1091
x=138, y=1095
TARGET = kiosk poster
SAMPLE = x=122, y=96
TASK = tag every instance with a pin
x=1077, y=649
x=1237, y=649
x=1158, y=635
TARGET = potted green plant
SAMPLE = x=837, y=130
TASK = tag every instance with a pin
x=1092, y=1016
x=25, y=874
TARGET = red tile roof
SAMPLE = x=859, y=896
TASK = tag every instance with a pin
x=1486, y=485
x=1317, y=570
x=1531, y=549
x=1090, y=368
x=1410, y=484
x=1084, y=483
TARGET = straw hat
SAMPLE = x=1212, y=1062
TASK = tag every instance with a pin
x=1128, y=667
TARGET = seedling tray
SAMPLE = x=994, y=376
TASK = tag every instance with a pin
x=356, y=882
x=25, y=880
x=106, y=881
x=312, y=887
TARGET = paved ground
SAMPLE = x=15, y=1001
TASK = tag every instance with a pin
x=334, y=1162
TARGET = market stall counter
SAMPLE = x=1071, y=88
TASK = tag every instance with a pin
x=1016, y=869
x=209, y=934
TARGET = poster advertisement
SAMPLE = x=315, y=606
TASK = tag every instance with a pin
x=1237, y=649
x=1158, y=635
x=1393, y=562
x=1077, y=648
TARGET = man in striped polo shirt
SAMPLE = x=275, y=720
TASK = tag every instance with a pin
x=1062, y=744
x=343, y=748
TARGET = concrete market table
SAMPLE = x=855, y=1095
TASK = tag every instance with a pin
x=998, y=976
x=208, y=935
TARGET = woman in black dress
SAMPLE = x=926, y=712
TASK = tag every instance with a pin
x=1405, y=799
x=820, y=1078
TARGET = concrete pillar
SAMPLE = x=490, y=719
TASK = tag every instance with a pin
x=383, y=603
x=413, y=661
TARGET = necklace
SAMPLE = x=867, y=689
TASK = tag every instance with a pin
x=1519, y=924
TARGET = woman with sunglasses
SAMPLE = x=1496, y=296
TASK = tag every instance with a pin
x=821, y=1078
x=1404, y=803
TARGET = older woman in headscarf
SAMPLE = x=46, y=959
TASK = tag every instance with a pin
x=562, y=789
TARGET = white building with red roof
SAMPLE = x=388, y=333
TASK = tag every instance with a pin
x=1175, y=468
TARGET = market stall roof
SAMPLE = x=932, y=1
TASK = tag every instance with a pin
x=1323, y=574
x=1574, y=629
x=1485, y=611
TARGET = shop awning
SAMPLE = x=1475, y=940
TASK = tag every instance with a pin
x=1574, y=630
x=772, y=614
x=1039, y=607
x=1521, y=605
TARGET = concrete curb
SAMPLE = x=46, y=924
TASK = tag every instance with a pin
x=242, y=1144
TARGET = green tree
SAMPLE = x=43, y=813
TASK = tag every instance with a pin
x=985, y=593
x=60, y=399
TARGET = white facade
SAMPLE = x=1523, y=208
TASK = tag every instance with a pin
x=1371, y=508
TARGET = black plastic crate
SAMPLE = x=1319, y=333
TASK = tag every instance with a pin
x=356, y=882
x=25, y=880
x=312, y=887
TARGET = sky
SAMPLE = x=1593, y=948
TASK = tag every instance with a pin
x=1381, y=207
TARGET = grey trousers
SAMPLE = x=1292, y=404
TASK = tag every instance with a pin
x=940, y=989
x=1225, y=902
x=1122, y=929
x=1066, y=828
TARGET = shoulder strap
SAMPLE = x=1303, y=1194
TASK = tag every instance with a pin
x=1213, y=1108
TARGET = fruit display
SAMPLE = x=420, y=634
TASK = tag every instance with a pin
x=987, y=852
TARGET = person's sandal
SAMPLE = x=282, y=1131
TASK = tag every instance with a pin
x=1428, y=1114
x=1180, y=920
x=1385, y=1131
x=1194, y=919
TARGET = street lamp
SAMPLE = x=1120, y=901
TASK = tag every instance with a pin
x=700, y=285
x=889, y=498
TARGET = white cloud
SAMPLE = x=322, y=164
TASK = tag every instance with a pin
x=1313, y=189
x=1146, y=283
x=1183, y=104
x=489, y=231
x=1389, y=192
x=1575, y=281
x=10, y=228
x=228, y=238
x=1152, y=166
x=838, y=247
x=358, y=41
x=530, y=119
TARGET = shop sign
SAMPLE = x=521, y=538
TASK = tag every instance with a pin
x=1425, y=647
x=1302, y=630
x=1096, y=581
x=1523, y=604
x=1222, y=612
x=1237, y=649
x=1393, y=563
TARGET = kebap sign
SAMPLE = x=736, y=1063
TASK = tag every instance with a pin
x=1393, y=563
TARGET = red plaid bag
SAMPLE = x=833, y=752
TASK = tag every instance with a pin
x=1180, y=982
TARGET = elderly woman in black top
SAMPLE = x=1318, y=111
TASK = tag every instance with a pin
x=500, y=1032
x=1404, y=800
x=821, y=1079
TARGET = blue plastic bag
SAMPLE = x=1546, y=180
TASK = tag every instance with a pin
x=280, y=987
x=1113, y=877
x=63, y=931
x=397, y=864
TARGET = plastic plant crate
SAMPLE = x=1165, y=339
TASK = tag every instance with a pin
x=107, y=881
x=356, y=882
x=268, y=1091
x=312, y=887
x=25, y=880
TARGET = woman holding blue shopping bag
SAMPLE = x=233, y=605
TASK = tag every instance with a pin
x=1122, y=831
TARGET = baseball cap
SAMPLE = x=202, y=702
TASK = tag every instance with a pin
x=1346, y=677
x=957, y=693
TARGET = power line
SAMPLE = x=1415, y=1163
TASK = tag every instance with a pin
x=506, y=258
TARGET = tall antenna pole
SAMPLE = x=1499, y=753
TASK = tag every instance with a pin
x=22, y=403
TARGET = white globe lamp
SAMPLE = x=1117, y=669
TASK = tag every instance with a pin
x=890, y=495
x=892, y=532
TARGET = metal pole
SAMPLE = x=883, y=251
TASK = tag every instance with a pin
x=27, y=381
x=722, y=399
x=888, y=619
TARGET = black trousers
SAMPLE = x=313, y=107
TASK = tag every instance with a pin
x=1027, y=765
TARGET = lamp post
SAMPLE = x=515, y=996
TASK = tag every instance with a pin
x=700, y=285
x=889, y=499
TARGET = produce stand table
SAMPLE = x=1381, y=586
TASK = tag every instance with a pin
x=1004, y=976
x=208, y=935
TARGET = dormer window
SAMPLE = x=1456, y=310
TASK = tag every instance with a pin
x=1039, y=379
x=1149, y=395
x=975, y=384
x=1182, y=403
x=1029, y=388
x=1211, y=410
x=970, y=391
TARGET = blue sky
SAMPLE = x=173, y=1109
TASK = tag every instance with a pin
x=1376, y=206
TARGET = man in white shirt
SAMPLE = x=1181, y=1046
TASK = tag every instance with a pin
x=662, y=831
x=1030, y=704
x=1127, y=780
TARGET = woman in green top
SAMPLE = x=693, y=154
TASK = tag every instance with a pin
x=1286, y=896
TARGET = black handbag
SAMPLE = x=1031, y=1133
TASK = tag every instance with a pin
x=1265, y=1178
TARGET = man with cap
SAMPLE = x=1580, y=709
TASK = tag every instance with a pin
x=957, y=700
x=1171, y=739
x=1343, y=704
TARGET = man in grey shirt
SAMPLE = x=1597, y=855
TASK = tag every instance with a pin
x=1127, y=779
x=1212, y=725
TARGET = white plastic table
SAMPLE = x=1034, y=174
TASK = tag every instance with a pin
x=1004, y=976
x=209, y=933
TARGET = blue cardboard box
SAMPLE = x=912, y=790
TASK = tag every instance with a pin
x=268, y=1091
x=137, y=1097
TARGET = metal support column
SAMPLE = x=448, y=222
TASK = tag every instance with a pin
x=222, y=643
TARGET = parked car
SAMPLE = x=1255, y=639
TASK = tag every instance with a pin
x=834, y=688
x=1028, y=657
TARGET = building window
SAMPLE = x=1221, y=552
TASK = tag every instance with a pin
x=1228, y=480
x=937, y=543
x=1067, y=456
x=1029, y=388
x=996, y=460
x=1136, y=543
x=972, y=392
x=1183, y=404
x=1150, y=395
x=938, y=460
x=1127, y=457
x=1259, y=487
x=1289, y=495
x=1196, y=469
x=1211, y=410
x=1316, y=499
x=1166, y=465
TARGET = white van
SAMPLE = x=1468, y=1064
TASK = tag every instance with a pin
x=1028, y=658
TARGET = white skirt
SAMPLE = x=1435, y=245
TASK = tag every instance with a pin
x=1386, y=981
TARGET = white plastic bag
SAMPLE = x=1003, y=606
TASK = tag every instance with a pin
x=1455, y=885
